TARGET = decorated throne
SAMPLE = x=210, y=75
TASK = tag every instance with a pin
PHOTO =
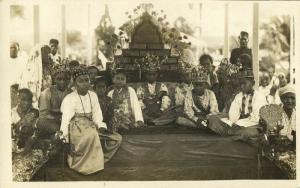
x=146, y=39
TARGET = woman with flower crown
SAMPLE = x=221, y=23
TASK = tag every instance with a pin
x=81, y=121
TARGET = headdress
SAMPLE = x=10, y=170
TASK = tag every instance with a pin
x=79, y=71
x=60, y=68
x=199, y=75
x=289, y=88
x=247, y=73
x=151, y=63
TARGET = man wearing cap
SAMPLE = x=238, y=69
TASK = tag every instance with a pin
x=198, y=103
x=243, y=116
x=288, y=98
x=126, y=110
x=243, y=49
x=153, y=95
x=50, y=101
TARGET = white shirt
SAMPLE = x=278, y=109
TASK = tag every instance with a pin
x=208, y=99
x=72, y=104
x=136, y=108
x=235, y=110
x=288, y=124
x=18, y=65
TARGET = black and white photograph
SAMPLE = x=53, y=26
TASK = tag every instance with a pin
x=150, y=91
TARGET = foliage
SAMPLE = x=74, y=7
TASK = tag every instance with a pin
x=275, y=42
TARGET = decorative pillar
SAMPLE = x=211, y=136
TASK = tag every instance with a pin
x=226, y=32
x=89, y=37
x=36, y=25
x=63, y=31
x=255, y=45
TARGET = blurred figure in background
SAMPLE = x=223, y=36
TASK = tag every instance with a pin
x=243, y=49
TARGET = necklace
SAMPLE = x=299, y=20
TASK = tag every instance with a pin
x=83, y=105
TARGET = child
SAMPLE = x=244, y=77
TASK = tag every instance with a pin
x=110, y=140
x=127, y=112
x=152, y=92
x=24, y=117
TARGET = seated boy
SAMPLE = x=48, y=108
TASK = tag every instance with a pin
x=50, y=102
x=126, y=110
x=153, y=95
x=110, y=140
x=198, y=103
x=243, y=116
x=23, y=120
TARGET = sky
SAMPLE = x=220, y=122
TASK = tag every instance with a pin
x=77, y=17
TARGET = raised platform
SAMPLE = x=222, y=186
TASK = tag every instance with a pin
x=171, y=153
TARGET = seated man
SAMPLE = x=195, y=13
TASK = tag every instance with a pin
x=126, y=110
x=23, y=120
x=243, y=116
x=50, y=102
x=110, y=140
x=288, y=123
x=198, y=103
x=153, y=95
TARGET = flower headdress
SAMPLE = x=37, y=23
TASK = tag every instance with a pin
x=79, y=71
x=60, y=68
x=150, y=63
x=199, y=75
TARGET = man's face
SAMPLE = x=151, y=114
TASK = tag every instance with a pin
x=82, y=84
x=13, y=51
x=151, y=77
x=207, y=64
x=282, y=80
x=53, y=48
x=288, y=100
x=119, y=79
x=24, y=101
x=93, y=72
x=62, y=81
x=243, y=41
x=199, y=87
x=100, y=88
x=265, y=81
x=247, y=86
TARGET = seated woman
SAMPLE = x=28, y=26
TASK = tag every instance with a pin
x=126, y=110
x=23, y=118
x=198, y=103
x=243, y=116
x=110, y=140
x=288, y=123
x=50, y=102
x=81, y=120
x=153, y=95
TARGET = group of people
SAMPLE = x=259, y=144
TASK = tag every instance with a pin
x=82, y=108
